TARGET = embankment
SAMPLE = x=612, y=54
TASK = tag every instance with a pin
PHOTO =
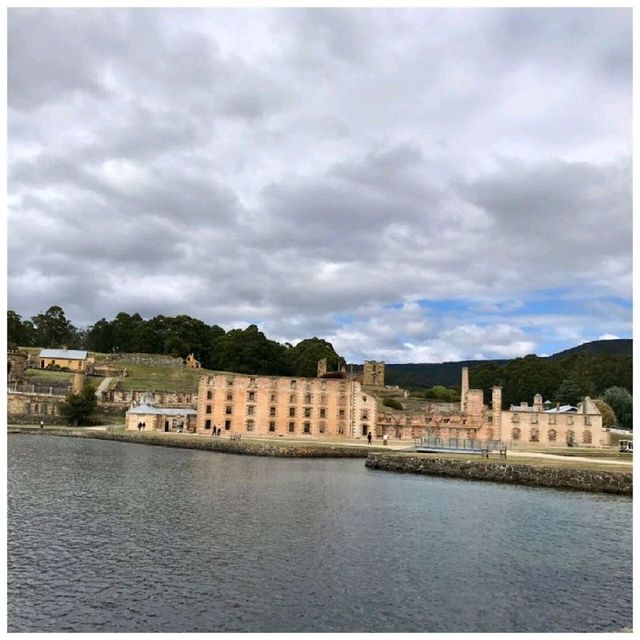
x=222, y=445
x=556, y=477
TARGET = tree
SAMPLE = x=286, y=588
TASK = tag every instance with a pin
x=608, y=416
x=305, y=355
x=52, y=329
x=621, y=401
x=392, y=404
x=78, y=407
x=569, y=392
x=19, y=333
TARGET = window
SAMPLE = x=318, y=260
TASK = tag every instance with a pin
x=341, y=413
x=534, y=418
x=307, y=412
x=586, y=437
x=292, y=398
x=307, y=398
x=293, y=384
x=323, y=413
x=515, y=417
x=207, y=424
x=515, y=434
x=272, y=425
x=208, y=409
x=365, y=429
x=292, y=412
x=321, y=426
x=227, y=425
x=292, y=427
x=209, y=394
x=570, y=419
x=251, y=396
x=552, y=419
x=365, y=415
x=272, y=397
x=587, y=421
x=230, y=382
x=272, y=411
x=250, y=425
x=571, y=437
x=251, y=410
x=307, y=427
x=228, y=410
x=229, y=396
x=323, y=398
x=552, y=435
x=534, y=436
x=252, y=382
x=341, y=427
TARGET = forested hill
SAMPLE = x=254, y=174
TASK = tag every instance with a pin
x=590, y=369
x=619, y=347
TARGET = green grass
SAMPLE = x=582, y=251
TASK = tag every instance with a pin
x=147, y=378
x=45, y=375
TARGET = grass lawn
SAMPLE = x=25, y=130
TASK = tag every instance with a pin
x=45, y=375
x=161, y=378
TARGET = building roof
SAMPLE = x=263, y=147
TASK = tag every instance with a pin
x=564, y=408
x=148, y=409
x=65, y=354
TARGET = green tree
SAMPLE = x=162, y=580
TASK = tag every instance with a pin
x=78, y=407
x=52, y=329
x=19, y=333
x=608, y=416
x=392, y=404
x=569, y=392
x=621, y=401
x=305, y=355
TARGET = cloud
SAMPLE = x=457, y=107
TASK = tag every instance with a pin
x=292, y=168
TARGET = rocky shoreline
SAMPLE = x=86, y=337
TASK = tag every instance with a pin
x=620, y=483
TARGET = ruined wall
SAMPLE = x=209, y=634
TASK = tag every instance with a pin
x=149, y=360
x=373, y=373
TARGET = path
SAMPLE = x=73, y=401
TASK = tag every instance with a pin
x=103, y=386
x=531, y=454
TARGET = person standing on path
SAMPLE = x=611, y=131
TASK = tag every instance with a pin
x=42, y=424
x=369, y=437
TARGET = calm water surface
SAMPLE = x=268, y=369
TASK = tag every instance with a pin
x=108, y=536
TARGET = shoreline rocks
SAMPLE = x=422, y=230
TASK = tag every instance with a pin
x=619, y=483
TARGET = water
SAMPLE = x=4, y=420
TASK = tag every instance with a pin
x=109, y=536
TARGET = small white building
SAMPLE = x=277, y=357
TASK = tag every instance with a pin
x=161, y=418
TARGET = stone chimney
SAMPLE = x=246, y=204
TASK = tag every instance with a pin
x=496, y=412
x=322, y=367
x=464, y=388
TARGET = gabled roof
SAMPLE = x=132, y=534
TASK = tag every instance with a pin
x=66, y=354
x=148, y=409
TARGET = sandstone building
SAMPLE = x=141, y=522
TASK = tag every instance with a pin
x=64, y=358
x=283, y=406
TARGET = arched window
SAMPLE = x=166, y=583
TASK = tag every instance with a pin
x=534, y=436
x=586, y=437
x=515, y=434
x=571, y=437
x=552, y=435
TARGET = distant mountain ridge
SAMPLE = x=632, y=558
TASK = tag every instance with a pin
x=424, y=375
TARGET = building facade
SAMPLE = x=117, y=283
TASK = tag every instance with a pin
x=64, y=359
x=285, y=407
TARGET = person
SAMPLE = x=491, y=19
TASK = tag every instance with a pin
x=139, y=426
x=213, y=431
x=369, y=437
x=42, y=424
x=144, y=424
x=219, y=431
x=385, y=438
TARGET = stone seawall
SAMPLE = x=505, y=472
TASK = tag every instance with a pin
x=185, y=441
x=620, y=483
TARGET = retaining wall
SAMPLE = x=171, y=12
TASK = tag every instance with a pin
x=538, y=476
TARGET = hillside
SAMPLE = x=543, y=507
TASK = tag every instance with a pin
x=620, y=347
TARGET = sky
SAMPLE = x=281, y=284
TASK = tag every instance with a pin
x=412, y=185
